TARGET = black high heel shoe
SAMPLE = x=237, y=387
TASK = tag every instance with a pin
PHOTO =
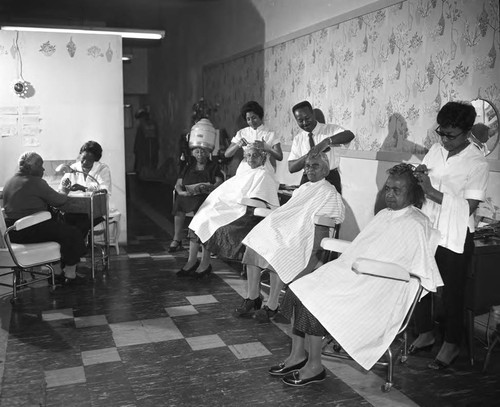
x=188, y=272
x=436, y=364
x=204, y=273
x=248, y=306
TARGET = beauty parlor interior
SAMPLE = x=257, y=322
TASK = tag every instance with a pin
x=194, y=288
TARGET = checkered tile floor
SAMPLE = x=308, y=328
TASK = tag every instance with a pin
x=140, y=336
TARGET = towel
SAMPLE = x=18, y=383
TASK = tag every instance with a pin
x=285, y=238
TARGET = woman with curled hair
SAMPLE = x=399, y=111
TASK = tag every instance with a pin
x=198, y=178
x=287, y=242
x=362, y=312
x=90, y=175
x=88, y=163
x=224, y=219
x=258, y=134
x=454, y=176
x=27, y=193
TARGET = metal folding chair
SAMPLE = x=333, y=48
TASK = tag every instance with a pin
x=21, y=258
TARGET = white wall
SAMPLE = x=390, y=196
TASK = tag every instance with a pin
x=283, y=17
x=79, y=98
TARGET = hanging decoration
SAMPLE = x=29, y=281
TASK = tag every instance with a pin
x=22, y=88
x=109, y=53
x=95, y=52
x=47, y=49
x=71, y=47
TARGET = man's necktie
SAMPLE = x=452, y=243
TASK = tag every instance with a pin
x=312, y=143
x=311, y=140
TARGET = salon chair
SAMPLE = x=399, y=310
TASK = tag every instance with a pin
x=378, y=269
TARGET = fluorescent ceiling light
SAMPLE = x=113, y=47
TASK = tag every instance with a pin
x=123, y=32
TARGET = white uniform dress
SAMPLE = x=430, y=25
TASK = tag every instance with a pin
x=222, y=205
x=364, y=313
x=99, y=171
x=460, y=177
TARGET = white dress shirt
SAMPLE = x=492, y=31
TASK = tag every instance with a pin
x=301, y=146
x=460, y=177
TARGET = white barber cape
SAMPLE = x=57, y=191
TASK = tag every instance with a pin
x=362, y=312
x=222, y=207
x=285, y=238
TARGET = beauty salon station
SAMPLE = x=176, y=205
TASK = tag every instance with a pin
x=171, y=76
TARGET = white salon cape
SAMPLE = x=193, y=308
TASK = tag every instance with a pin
x=362, y=312
x=285, y=237
x=99, y=171
x=222, y=205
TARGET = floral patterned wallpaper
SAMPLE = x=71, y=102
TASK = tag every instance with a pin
x=383, y=75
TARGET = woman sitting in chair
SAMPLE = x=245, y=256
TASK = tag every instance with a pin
x=89, y=175
x=27, y=193
x=197, y=179
x=288, y=240
x=224, y=219
x=362, y=312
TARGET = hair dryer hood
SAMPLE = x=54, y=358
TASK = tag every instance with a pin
x=203, y=134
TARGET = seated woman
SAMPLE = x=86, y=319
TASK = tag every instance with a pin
x=90, y=175
x=224, y=206
x=27, y=193
x=363, y=313
x=288, y=240
x=197, y=179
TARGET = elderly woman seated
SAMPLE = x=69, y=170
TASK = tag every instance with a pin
x=224, y=219
x=27, y=193
x=288, y=240
x=362, y=312
x=197, y=179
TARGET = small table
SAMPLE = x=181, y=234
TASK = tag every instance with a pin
x=95, y=204
x=482, y=288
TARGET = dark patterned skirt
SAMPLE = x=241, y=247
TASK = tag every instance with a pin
x=188, y=204
x=303, y=320
x=226, y=241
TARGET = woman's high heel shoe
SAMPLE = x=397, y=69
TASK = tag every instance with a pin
x=188, y=272
x=413, y=350
x=436, y=364
x=248, y=306
x=204, y=273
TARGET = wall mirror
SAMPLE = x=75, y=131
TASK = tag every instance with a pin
x=485, y=129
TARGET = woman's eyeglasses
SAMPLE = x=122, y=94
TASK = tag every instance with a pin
x=448, y=136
